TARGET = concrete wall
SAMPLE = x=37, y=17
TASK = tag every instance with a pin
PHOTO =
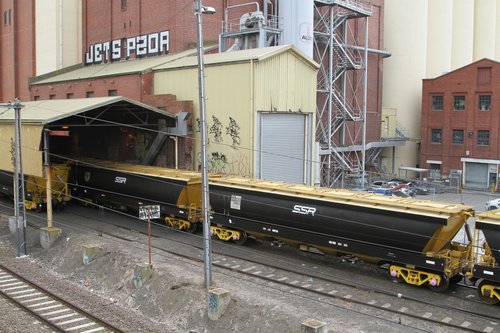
x=58, y=34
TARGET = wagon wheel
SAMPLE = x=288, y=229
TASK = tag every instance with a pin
x=456, y=279
x=243, y=238
x=193, y=228
x=397, y=279
x=443, y=286
x=486, y=297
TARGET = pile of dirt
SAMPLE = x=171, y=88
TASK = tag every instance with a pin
x=175, y=295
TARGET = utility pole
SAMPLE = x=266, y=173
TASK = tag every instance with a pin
x=205, y=200
x=18, y=179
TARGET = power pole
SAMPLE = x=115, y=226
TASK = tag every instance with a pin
x=205, y=204
x=18, y=181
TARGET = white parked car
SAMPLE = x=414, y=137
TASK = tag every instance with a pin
x=493, y=204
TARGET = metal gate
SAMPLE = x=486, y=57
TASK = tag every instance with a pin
x=282, y=146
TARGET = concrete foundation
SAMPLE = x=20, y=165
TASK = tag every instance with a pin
x=89, y=253
x=142, y=273
x=313, y=326
x=12, y=224
x=218, y=301
x=48, y=236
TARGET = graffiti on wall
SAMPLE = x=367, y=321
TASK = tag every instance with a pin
x=218, y=162
x=233, y=130
x=240, y=165
x=237, y=163
x=216, y=129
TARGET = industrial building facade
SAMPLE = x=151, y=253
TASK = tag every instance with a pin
x=460, y=124
x=119, y=41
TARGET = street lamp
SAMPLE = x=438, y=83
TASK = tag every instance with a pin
x=205, y=201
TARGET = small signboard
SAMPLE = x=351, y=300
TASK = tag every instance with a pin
x=151, y=211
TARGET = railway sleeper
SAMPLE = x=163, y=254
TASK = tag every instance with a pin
x=178, y=223
x=417, y=277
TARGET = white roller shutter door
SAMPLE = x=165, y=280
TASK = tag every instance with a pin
x=476, y=176
x=282, y=147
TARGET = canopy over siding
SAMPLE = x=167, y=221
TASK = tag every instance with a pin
x=59, y=114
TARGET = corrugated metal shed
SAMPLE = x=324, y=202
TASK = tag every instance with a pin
x=241, y=87
x=47, y=111
x=37, y=115
x=258, y=54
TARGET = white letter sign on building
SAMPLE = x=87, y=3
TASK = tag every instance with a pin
x=152, y=44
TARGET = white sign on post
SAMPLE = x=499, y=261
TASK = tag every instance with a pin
x=151, y=211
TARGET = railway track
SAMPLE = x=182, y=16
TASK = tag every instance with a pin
x=53, y=311
x=318, y=286
x=329, y=290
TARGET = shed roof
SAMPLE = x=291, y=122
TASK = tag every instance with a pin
x=48, y=111
x=131, y=66
x=258, y=54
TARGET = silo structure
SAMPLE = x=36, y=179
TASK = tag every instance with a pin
x=298, y=25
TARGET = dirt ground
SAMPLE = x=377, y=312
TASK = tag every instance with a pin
x=175, y=298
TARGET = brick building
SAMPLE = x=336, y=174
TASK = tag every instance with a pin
x=460, y=124
x=120, y=42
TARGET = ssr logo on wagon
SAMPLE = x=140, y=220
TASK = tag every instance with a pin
x=120, y=180
x=304, y=210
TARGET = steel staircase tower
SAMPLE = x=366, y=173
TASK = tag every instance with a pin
x=341, y=89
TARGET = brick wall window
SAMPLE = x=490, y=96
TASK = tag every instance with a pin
x=458, y=137
x=437, y=103
x=124, y=5
x=52, y=96
x=89, y=94
x=70, y=95
x=113, y=92
x=5, y=18
x=484, y=102
x=483, y=137
x=458, y=103
x=36, y=98
x=436, y=135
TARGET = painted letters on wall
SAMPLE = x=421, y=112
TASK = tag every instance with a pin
x=153, y=44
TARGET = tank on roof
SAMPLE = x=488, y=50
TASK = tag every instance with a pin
x=297, y=24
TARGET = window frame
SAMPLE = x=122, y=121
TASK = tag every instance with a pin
x=488, y=105
x=434, y=136
x=453, y=136
x=455, y=103
x=435, y=98
x=478, y=137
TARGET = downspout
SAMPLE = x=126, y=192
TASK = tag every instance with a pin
x=254, y=115
x=176, y=149
x=61, y=35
